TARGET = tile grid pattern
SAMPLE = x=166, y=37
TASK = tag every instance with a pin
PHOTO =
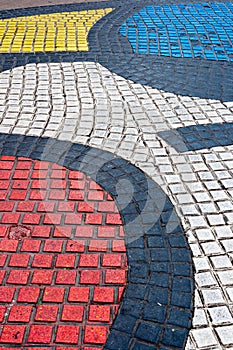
x=199, y=183
x=194, y=181
x=48, y=33
x=62, y=285
x=186, y=30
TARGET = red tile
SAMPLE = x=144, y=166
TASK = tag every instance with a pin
x=115, y=277
x=57, y=166
x=30, y=245
x=58, y=174
x=24, y=165
x=42, y=277
x=19, y=260
x=18, y=277
x=122, y=233
x=7, y=158
x=10, y=218
x=41, y=231
x=114, y=260
x=2, y=312
x=76, y=195
x=89, y=260
x=99, y=313
x=120, y=293
x=40, y=334
x=4, y=184
x=39, y=174
x=62, y=231
x=12, y=334
x=79, y=294
x=90, y=277
x=67, y=334
x=95, y=334
x=65, y=260
x=21, y=174
x=84, y=231
x=57, y=194
x=3, y=194
x=75, y=246
x=41, y=165
x=53, y=245
x=8, y=245
x=95, y=195
x=39, y=184
x=46, y=313
x=74, y=174
x=72, y=313
x=53, y=219
x=104, y=294
x=94, y=186
x=6, y=165
x=42, y=260
x=113, y=219
x=59, y=184
x=20, y=314
x=77, y=184
x=5, y=175
x=73, y=219
x=106, y=231
x=6, y=206
x=94, y=219
x=86, y=207
x=97, y=245
x=118, y=246
x=66, y=206
x=66, y=277
x=46, y=207
x=20, y=184
x=3, y=231
x=3, y=259
x=6, y=294
x=2, y=275
x=53, y=294
x=106, y=207
x=26, y=206
x=33, y=219
x=38, y=195
x=28, y=294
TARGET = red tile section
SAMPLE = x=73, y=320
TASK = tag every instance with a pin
x=66, y=276
x=67, y=334
x=95, y=334
x=20, y=314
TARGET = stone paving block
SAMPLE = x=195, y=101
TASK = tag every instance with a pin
x=205, y=191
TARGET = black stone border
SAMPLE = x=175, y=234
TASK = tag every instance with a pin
x=157, y=306
x=192, y=77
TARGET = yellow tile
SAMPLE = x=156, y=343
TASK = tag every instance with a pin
x=68, y=29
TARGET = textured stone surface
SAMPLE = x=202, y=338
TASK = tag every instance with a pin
x=172, y=123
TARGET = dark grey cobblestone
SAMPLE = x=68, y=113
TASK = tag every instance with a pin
x=148, y=310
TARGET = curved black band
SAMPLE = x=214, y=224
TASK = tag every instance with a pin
x=157, y=306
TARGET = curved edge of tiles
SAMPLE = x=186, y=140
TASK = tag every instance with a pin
x=194, y=74
x=157, y=306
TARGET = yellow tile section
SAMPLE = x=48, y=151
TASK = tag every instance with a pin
x=66, y=31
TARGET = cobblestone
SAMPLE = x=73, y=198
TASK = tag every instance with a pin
x=64, y=101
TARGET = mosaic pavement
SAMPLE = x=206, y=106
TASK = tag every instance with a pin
x=144, y=108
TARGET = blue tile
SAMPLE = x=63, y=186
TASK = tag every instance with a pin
x=200, y=24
